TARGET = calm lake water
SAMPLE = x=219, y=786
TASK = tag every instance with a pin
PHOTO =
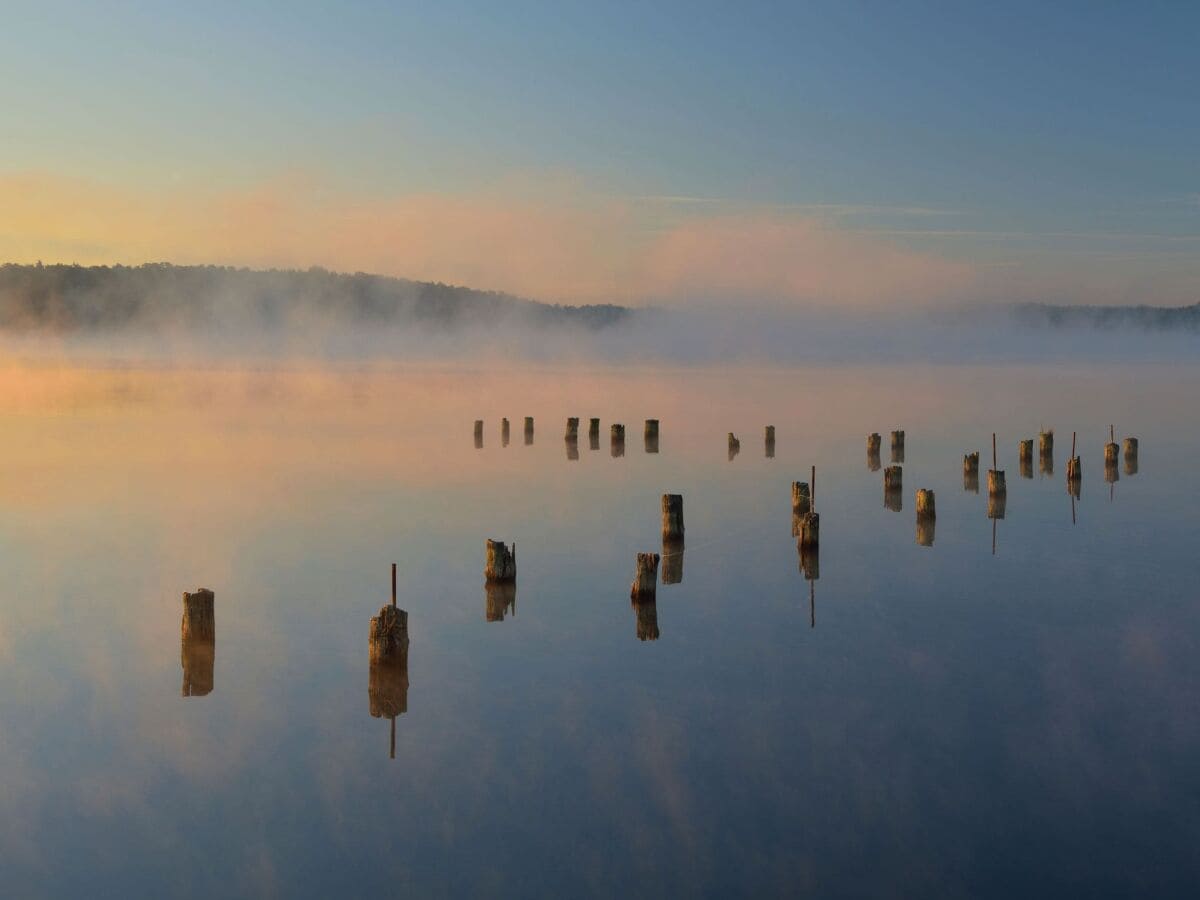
x=919, y=720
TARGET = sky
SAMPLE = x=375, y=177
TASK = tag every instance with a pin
x=841, y=154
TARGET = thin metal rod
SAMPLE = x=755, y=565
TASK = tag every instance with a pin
x=812, y=499
x=995, y=467
x=393, y=585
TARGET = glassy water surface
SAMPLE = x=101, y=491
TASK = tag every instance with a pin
x=971, y=707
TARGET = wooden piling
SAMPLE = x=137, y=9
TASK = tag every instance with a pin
x=897, y=446
x=893, y=478
x=389, y=634
x=1046, y=452
x=672, y=561
x=501, y=562
x=1025, y=458
x=997, y=503
x=769, y=442
x=645, y=578
x=387, y=686
x=873, y=444
x=971, y=464
x=646, y=612
x=1130, y=446
x=926, y=529
x=504, y=432
x=672, y=517
x=572, y=428
x=617, y=440
x=479, y=434
x=528, y=430
x=198, y=637
x=594, y=428
x=1111, y=450
x=1074, y=469
x=810, y=561
x=925, y=504
x=997, y=487
x=801, y=498
x=810, y=529
x=735, y=446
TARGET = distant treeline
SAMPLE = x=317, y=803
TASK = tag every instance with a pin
x=1152, y=318
x=155, y=296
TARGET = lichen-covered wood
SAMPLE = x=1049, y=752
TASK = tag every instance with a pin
x=672, y=561
x=645, y=576
x=646, y=613
x=389, y=634
x=810, y=529
x=897, y=446
x=500, y=598
x=501, y=562
x=672, y=517
x=199, y=615
x=925, y=504
x=801, y=497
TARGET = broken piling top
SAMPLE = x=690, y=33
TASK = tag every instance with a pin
x=1074, y=470
x=504, y=432
x=971, y=463
x=874, y=441
x=801, y=497
x=617, y=439
x=925, y=504
x=199, y=617
x=672, y=517
x=1025, y=450
x=478, y=433
x=735, y=446
x=573, y=428
x=389, y=634
x=501, y=562
x=1111, y=453
x=645, y=577
x=1046, y=442
x=898, y=446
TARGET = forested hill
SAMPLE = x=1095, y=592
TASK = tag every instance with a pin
x=160, y=296
x=1148, y=318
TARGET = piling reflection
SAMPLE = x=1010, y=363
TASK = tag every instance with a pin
x=897, y=446
x=672, y=561
x=572, y=448
x=1131, y=456
x=893, y=485
x=810, y=568
x=500, y=599
x=997, y=504
x=387, y=679
x=926, y=526
x=198, y=635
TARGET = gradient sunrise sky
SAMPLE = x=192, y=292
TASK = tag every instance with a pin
x=829, y=154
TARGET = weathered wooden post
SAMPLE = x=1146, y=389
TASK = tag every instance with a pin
x=501, y=562
x=926, y=514
x=528, y=430
x=893, y=485
x=873, y=444
x=810, y=522
x=645, y=578
x=769, y=442
x=499, y=598
x=646, y=612
x=1025, y=458
x=1046, y=452
x=617, y=440
x=971, y=472
x=504, y=432
x=387, y=676
x=572, y=428
x=479, y=434
x=1074, y=470
x=198, y=643
x=735, y=446
x=672, y=517
x=997, y=486
x=593, y=434
x=897, y=446
x=1131, y=455
x=650, y=436
x=1111, y=450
